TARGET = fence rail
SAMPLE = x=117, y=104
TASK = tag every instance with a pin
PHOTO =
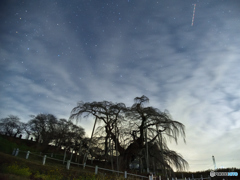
x=96, y=168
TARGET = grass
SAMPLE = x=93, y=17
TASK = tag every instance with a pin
x=12, y=167
x=12, y=177
x=18, y=168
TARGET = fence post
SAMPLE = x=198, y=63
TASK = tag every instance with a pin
x=44, y=159
x=159, y=177
x=149, y=177
x=27, y=154
x=16, y=153
x=125, y=174
x=201, y=177
x=96, y=169
x=84, y=164
x=68, y=164
x=13, y=153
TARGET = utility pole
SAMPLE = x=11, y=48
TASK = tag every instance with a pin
x=111, y=150
x=116, y=135
x=161, y=148
x=147, y=155
x=90, y=143
x=214, y=163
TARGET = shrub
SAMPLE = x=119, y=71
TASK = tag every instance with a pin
x=20, y=171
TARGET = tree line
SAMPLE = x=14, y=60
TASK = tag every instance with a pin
x=45, y=128
x=127, y=137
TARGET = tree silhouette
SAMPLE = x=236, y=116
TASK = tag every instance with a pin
x=137, y=133
x=11, y=126
x=43, y=127
x=105, y=112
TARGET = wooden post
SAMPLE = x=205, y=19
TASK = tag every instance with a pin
x=44, y=159
x=96, y=169
x=68, y=164
x=14, y=150
x=27, y=154
x=16, y=153
x=150, y=177
x=125, y=174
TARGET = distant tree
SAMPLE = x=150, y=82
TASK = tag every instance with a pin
x=76, y=134
x=11, y=126
x=68, y=134
x=43, y=127
x=61, y=132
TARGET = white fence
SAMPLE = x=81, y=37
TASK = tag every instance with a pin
x=96, y=168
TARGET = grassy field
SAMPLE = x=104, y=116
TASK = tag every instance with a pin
x=14, y=168
x=18, y=168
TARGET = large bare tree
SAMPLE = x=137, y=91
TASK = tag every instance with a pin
x=137, y=133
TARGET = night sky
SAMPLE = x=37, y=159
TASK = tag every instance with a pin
x=56, y=53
